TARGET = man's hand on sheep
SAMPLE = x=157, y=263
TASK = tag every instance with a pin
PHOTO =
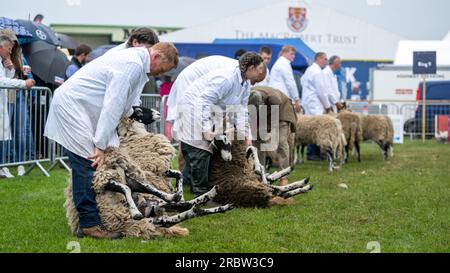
x=145, y=115
x=98, y=157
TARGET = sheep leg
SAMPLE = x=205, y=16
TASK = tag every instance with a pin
x=280, y=190
x=347, y=147
x=137, y=186
x=277, y=175
x=302, y=160
x=181, y=206
x=391, y=150
x=252, y=153
x=331, y=164
x=179, y=181
x=168, y=221
x=125, y=190
x=358, y=152
x=304, y=189
x=296, y=149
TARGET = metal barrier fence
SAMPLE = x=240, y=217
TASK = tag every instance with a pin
x=411, y=112
x=22, y=120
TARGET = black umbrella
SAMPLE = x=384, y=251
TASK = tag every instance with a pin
x=40, y=32
x=67, y=41
x=46, y=61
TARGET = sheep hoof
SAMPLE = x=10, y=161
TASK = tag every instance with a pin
x=138, y=216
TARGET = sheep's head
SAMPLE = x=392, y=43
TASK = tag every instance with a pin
x=223, y=144
x=129, y=127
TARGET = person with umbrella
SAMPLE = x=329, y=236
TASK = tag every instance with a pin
x=86, y=110
x=11, y=74
x=79, y=59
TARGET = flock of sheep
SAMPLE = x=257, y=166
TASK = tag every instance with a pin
x=338, y=134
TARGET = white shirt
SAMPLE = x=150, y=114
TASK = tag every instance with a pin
x=221, y=88
x=117, y=48
x=282, y=78
x=314, y=99
x=6, y=79
x=332, y=88
x=192, y=73
x=87, y=108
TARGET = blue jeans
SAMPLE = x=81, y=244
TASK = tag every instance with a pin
x=83, y=194
x=22, y=139
x=313, y=150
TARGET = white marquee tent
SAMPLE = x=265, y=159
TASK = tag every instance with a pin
x=405, y=51
x=324, y=29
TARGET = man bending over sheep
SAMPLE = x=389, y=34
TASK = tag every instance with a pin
x=86, y=111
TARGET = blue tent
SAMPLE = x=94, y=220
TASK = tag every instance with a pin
x=302, y=49
x=228, y=49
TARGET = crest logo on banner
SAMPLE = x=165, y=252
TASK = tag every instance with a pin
x=297, y=20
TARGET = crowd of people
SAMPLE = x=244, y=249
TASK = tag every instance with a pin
x=86, y=109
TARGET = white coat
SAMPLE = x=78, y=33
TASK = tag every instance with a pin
x=332, y=88
x=314, y=96
x=87, y=108
x=192, y=73
x=6, y=79
x=221, y=88
x=282, y=78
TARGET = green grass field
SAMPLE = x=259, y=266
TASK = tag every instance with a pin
x=402, y=204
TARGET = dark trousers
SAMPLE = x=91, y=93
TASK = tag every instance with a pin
x=313, y=151
x=196, y=168
x=83, y=194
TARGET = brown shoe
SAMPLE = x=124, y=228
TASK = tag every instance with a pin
x=98, y=233
x=284, y=181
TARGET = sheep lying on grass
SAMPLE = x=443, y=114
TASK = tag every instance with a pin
x=243, y=182
x=134, y=182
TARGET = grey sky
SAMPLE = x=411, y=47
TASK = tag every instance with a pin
x=413, y=19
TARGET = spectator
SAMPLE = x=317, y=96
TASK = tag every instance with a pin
x=78, y=60
x=315, y=101
x=282, y=75
x=331, y=83
x=266, y=54
x=11, y=74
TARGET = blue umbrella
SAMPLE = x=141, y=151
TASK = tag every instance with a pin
x=40, y=32
x=19, y=30
x=99, y=51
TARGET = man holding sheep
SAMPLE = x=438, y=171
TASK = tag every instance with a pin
x=87, y=109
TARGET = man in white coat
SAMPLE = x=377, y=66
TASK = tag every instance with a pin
x=220, y=91
x=282, y=75
x=314, y=95
x=86, y=110
x=191, y=74
x=331, y=83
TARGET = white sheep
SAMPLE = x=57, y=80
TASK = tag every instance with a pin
x=324, y=131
